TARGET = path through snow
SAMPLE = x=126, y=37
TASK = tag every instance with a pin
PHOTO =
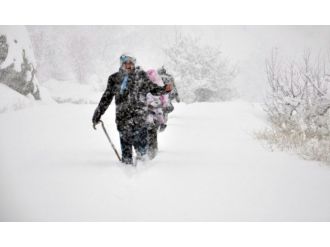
x=209, y=168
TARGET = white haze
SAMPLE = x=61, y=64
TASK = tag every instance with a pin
x=245, y=46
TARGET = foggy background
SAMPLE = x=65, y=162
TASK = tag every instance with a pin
x=89, y=54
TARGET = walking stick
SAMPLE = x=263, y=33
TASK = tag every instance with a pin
x=112, y=145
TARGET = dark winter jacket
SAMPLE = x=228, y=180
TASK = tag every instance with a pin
x=131, y=108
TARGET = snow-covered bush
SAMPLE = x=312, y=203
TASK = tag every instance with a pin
x=17, y=63
x=201, y=72
x=298, y=105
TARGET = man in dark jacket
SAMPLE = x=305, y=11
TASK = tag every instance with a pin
x=129, y=86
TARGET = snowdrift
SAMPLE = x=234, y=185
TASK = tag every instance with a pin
x=10, y=100
x=209, y=168
x=73, y=92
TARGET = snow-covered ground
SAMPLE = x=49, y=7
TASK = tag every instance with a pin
x=55, y=167
x=10, y=100
x=73, y=92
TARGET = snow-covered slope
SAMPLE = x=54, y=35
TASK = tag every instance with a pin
x=209, y=168
x=10, y=100
x=18, y=71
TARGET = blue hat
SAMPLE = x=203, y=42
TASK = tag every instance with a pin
x=125, y=58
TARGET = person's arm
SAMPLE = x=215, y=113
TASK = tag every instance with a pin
x=104, y=102
x=176, y=93
x=159, y=90
x=153, y=88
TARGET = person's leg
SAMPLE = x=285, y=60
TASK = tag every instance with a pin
x=152, y=142
x=163, y=126
x=126, y=142
x=140, y=140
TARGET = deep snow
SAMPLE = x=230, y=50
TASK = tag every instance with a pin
x=209, y=168
x=10, y=100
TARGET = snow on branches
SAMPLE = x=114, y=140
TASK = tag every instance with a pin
x=298, y=104
x=201, y=72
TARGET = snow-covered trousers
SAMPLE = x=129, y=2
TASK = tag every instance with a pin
x=133, y=136
x=152, y=141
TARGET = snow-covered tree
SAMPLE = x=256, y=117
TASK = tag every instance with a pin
x=298, y=104
x=201, y=71
x=17, y=62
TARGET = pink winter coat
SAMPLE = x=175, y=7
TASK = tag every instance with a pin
x=156, y=104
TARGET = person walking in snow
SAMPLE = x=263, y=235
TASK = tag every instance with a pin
x=155, y=117
x=167, y=105
x=130, y=86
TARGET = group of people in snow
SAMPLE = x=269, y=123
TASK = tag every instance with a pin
x=143, y=101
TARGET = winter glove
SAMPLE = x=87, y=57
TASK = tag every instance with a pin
x=96, y=117
x=168, y=108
